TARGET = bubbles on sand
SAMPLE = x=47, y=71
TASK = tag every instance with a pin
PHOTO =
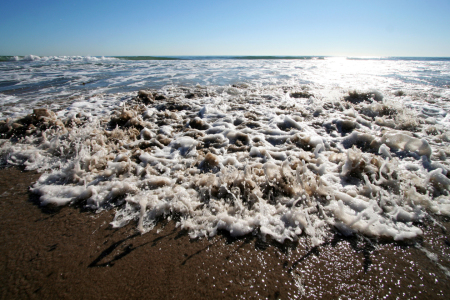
x=273, y=161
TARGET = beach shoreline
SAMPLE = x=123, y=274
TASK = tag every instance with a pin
x=71, y=253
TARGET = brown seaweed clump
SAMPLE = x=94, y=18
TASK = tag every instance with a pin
x=40, y=120
x=356, y=97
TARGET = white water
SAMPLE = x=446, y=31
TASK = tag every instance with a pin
x=246, y=159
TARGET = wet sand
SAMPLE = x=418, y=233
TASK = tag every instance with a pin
x=69, y=253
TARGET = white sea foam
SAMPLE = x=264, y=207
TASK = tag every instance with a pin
x=240, y=159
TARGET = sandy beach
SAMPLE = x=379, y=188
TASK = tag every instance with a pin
x=69, y=253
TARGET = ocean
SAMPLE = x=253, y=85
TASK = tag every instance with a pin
x=289, y=150
x=31, y=81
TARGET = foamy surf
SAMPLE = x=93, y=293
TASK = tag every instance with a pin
x=274, y=161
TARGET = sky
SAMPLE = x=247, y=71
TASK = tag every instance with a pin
x=245, y=27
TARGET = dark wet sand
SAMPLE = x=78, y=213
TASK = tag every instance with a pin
x=73, y=254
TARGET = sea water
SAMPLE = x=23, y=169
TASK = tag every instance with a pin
x=279, y=147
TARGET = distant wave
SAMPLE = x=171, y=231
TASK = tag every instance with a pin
x=10, y=58
x=147, y=57
x=53, y=58
x=214, y=57
x=277, y=57
x=402, y=58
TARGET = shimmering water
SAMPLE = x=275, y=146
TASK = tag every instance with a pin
x=57, y=81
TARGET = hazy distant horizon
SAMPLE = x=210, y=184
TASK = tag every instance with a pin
x=187, y=57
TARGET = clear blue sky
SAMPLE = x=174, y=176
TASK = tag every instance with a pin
x=173, y=27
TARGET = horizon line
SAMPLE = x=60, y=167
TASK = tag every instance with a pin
x=223, y=55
